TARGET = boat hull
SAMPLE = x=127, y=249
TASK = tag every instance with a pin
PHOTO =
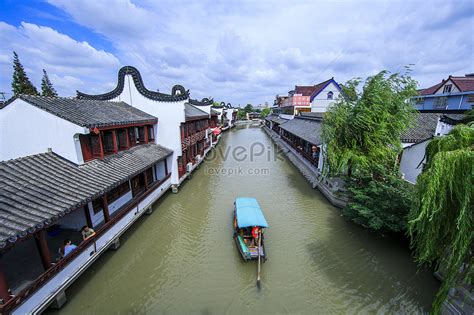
x=247, y=253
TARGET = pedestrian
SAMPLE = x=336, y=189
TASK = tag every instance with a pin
x=87, y=232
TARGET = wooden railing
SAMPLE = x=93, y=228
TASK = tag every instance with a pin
x=57, y=267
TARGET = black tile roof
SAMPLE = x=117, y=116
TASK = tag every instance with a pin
x=89, y=113
x=203, y=102
x=276, y=119
x=425, y=126
x=37, y=190
x=178, y=93
x=192, y=113
x=312, y=115
x=304, y=128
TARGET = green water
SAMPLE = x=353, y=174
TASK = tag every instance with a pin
x=182, y=258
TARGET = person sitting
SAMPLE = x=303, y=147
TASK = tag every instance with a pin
x=68, y=247
x=87, y=232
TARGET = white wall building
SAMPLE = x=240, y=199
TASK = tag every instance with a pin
x=416, y=139
x=328, y=92
x=169, y=108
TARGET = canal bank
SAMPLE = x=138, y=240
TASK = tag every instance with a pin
x=182, y=259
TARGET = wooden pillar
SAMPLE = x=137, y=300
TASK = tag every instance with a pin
x=127, y=136
x=4, y=293
x=105, y=208
x=42, y=245
x=87, y=213
x=101, y=146
x=114, y=138
x=146, y=133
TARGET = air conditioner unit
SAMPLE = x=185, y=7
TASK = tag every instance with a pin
x=189, y=167
x=198, y=158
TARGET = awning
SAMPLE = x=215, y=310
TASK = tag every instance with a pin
x=248, y=213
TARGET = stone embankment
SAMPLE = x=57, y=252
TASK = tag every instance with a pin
x=331, y=188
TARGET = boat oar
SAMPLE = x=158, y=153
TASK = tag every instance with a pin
x=258, y=266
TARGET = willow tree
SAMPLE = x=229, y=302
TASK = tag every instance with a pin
x=441, y=221
x=362, y=130
x=362, y=134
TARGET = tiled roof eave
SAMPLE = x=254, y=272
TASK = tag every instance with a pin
x=118, y=124
x=178, y=93
x=121, y=167
x=203, y=102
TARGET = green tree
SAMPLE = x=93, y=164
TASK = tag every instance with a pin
x=441, y=221
x=265, y=112
x=47, y=88
x=380, y=205
x=241, y=114
x=215, y=104
x=248, y=108
x=21, y=83
x=362, y=130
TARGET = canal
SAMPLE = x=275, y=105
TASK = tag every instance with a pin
x=182, y=258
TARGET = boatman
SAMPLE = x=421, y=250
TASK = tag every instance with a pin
x=255, y=234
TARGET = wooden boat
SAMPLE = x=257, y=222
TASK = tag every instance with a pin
x=247, y=215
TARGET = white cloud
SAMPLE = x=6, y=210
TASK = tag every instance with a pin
x=66, y=60
x=247, y=52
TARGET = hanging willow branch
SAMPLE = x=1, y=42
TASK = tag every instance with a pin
x=362, y=130
x=441, y=221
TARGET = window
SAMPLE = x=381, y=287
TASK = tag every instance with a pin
x=122, y=139
x=132, y=136
x=149, y=176
x=97, y=205
x=141, y=134
x=419, y=100
x=470, y=98
x=151, y=135
x=447, y=88
x=330, y=95
x=138, y=184
x=441, y=102
x=118, y=192
x=108, y=141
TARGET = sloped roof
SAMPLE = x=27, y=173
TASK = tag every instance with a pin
x=312, y=115
x=432, y=89
x=191, y=112
x=39, y=189
x=276, y=119
x=178, y=93
x=423, y=128
x=304, y=128
x=305, y=90
x=464, y=84
x=89, y=113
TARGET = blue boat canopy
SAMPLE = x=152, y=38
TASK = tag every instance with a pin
x=248, y=213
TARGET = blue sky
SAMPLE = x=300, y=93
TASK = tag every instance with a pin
x=234, y=51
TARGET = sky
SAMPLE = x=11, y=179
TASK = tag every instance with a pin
x=234, y=51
